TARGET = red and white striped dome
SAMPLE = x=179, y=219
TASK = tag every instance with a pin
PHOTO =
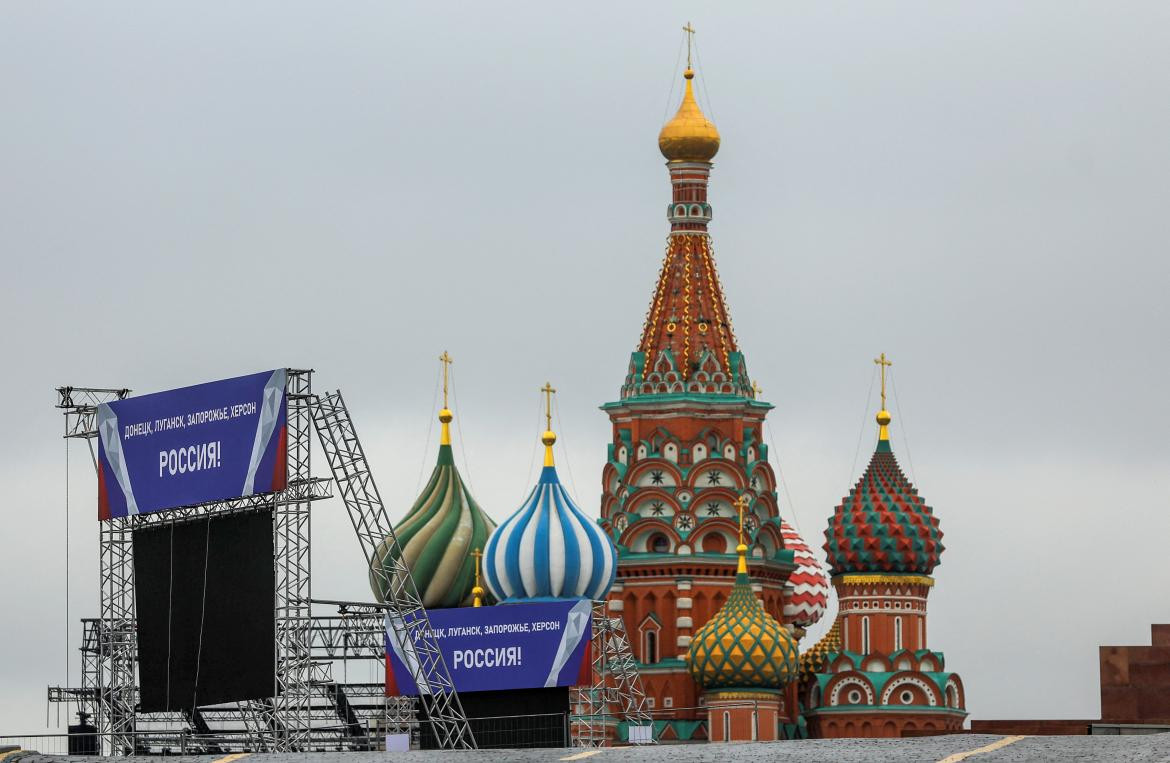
x=808, y=587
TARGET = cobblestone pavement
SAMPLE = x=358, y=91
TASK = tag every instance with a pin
x=1155, y=747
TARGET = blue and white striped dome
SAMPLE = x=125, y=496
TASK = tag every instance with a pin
x=549, y=549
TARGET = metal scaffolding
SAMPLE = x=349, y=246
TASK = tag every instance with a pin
x=410, y=625
x=308, y=709
x=616, y=693
x=109, y=648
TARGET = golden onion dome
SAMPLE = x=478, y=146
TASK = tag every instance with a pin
x=689, y=136
x=743, y=646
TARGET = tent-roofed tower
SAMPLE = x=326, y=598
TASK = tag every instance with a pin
x=442, y=532
x=688, y=441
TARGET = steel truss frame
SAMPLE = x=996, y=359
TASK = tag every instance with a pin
x=407, y=619
x=307, y=709
x=282, y=723
x=616, y=692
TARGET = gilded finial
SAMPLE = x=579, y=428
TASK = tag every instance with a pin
x=689, y=136
x=477, y=590
x=445, y=414
x=883, y=416
x=756, y=390
x=741, y=505
x=549, y=437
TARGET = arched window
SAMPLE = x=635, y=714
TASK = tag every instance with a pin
x=897, y=633
x=659, y=543
x=755, y=724
x=650, y=647
x=865, y=635
x=726, y=726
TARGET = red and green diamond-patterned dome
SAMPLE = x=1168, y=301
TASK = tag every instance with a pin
x=883, y=525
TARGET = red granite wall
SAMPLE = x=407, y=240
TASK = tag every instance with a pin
x=1135, y=681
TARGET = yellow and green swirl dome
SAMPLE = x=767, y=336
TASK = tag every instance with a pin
x=742, y=646
x=437, y=538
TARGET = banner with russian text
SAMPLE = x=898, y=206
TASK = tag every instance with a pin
x=210, y=442
x=508, y=646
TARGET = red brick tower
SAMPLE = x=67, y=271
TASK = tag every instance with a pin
x=879, y=678
x=687, y=442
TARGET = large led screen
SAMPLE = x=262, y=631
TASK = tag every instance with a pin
x=205, y=592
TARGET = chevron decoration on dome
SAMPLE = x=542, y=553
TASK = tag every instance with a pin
x=883, y=525
x=814, y=659
x=808, y=587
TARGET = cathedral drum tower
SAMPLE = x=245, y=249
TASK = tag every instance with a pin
x=873, y=675
x=687, y=445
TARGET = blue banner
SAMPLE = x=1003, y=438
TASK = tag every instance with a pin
x=211, y=442
x=508, y=646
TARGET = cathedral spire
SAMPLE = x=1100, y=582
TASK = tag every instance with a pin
x=687, y=339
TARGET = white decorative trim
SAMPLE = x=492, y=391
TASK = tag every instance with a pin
x=684, y=602
x=931, y=695
x=616, y=605
x=850, y=682
x=683, y=621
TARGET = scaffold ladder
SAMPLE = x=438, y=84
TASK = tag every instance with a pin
x=410, y=624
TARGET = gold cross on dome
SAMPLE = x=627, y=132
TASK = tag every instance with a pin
x=690, y=30
x=478, y=589
x=548, y=391
x=478, y=557
x=741, y=504
x=445, y=359
x=883, y=364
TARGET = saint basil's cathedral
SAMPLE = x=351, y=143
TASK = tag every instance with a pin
x=714, y=587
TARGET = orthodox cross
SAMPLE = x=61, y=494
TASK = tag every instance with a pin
x=741, y=504
x=883, y=364
x=548, y=391
x=690, y=30
x=477, y=554
x=445, y=359
x=756, y=391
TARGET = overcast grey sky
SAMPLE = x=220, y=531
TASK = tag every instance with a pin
x=193, y=190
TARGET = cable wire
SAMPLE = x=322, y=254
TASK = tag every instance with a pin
x=68, y=674
x=703, y=83
x=459, y=431
x=532, y=459
x=565, y=450
x=170, y=610
x=673, y=81
x=861, y=432
x=202, y=614
x=422, y=464
x=905, y=436
x=772, y=453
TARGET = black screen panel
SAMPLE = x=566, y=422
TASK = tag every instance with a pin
x=205, y=592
